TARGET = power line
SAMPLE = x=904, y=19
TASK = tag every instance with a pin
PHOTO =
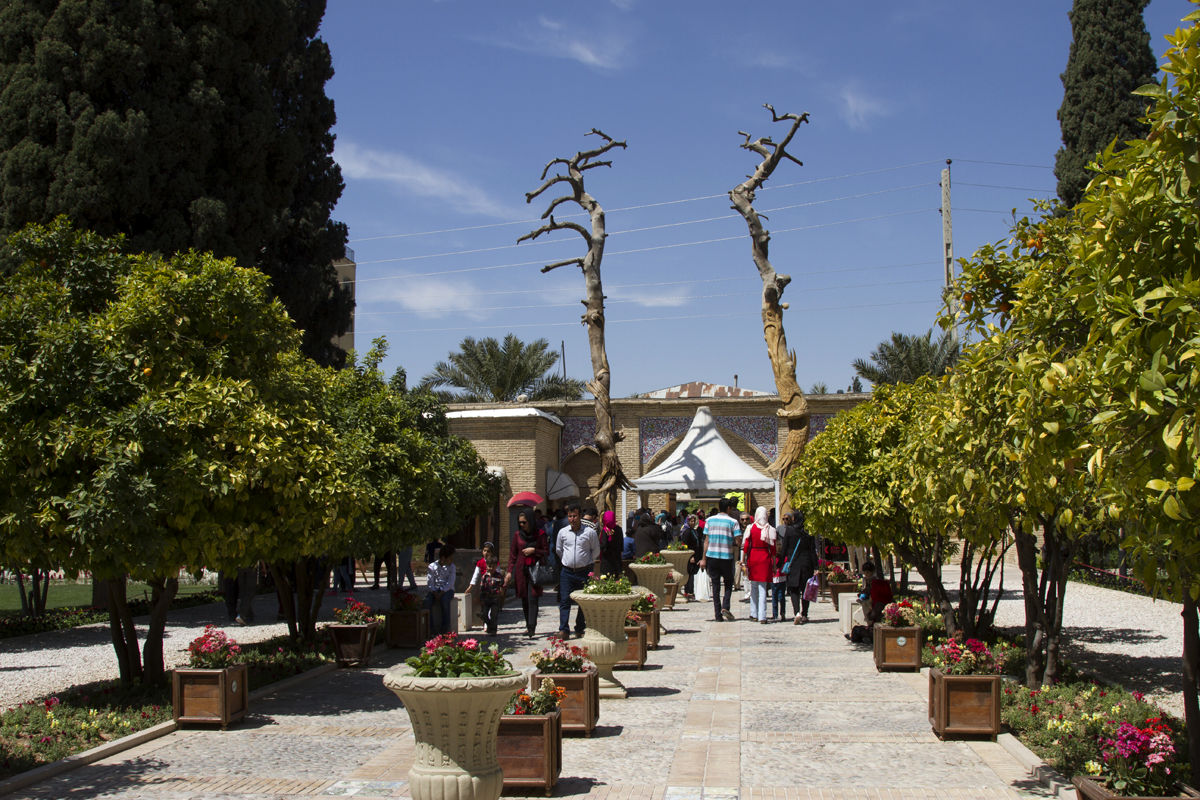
x=659, y=318
x=647, y=205
x=620, y=301
x=1014, y=188
x=1000, y=163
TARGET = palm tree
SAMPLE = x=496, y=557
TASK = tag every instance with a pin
x=488, y=371
x=907, y=357
x=820, y=387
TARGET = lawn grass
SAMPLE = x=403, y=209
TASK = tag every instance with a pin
x=69, y=594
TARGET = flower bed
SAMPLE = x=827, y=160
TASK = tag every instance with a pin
x=1083, y=728
x=87, y=716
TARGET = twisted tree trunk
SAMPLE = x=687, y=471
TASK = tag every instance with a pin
x=793, y=406
x=612, y=476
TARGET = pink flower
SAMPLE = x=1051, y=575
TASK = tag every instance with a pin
x=470, y=644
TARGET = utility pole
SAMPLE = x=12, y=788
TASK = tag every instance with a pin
x=947, y=228
x=563, y=344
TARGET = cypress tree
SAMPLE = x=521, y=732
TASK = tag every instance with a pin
x=1110, y=57
x=193, y=124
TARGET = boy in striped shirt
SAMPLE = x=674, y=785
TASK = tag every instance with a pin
x=720, y=551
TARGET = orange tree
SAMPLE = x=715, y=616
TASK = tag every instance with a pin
x=157, y=414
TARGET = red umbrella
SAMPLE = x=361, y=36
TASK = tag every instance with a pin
x=524, y=499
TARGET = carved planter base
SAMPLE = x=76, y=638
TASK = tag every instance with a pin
x=529, y=747
x=580, y=709
x=604, y=637
x=964, y=705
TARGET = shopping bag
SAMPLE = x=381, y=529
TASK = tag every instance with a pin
x=810, y=588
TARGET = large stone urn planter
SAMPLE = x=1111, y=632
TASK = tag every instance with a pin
x=678, y=559
x=605, y=635
x=455, y=722
x=654, y=578
x=581, y=707
x=964, y=705
x=897, y=648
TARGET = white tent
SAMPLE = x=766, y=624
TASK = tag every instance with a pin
x=703, y=461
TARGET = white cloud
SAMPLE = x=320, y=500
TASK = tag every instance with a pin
x=858, y=108
x=551, y=37
x=649, y=298
x=410, y=177
x=428, y=298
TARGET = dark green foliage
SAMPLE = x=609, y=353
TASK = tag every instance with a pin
x=907, y=357
x=181, y=125
x=487, y=371
x=1110, y=57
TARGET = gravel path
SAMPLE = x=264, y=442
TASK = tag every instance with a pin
x=1127, y=639
x=44, y=663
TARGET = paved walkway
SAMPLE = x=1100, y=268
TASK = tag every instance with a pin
x=722, y=711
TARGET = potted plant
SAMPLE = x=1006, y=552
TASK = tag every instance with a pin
x=652, y=571
x=529, y=741
x=407, y=621
x=635, y=641
x=671, y=591
x=677, y=555
x=212, y=688
x=353, y=635
x=838, y=579
x=964, y=688
x=1135, y=761
x=898, y=637
x=454, y=692
x=643, y=609
x=605, y=601
x=568, y=666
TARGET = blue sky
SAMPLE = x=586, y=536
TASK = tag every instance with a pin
x=448, y=111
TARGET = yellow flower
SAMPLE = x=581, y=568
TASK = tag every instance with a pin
x=1091, y=768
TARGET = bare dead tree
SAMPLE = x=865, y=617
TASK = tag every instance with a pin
x=793, y=406
x=612, y=477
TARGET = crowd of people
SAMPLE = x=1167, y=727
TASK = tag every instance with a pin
x=731, y=550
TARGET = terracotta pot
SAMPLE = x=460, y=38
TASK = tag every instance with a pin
x=897, y=648
x=964, y=705
x=581, y=707
x=455, y=722
x=529, y=748
x=1091, y=789
x=604, y=637
x=209, y=696
x=635, y=646
x=654, y=578
x=409, y=628
x=352, y=644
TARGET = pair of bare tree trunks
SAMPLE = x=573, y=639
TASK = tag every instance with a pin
x=612, y=476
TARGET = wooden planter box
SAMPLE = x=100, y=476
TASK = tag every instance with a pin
x=836, y=589
x=580, y=709
x=1089, y=789
x=652, y=628
x=671, y=595
x=897, y=648
x=209, y=696
x=407, y=628
x=964, y=705
x=352, y=644
x=529, y=748
x=822, y=585
x=635, y=651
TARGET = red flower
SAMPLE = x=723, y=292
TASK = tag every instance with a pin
x=1033, y=709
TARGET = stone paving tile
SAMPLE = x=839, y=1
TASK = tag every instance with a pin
x=732, y=711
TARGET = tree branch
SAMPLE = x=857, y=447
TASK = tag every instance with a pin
x=576, y=261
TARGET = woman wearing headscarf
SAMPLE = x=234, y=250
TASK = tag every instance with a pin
x=612, y=541
x=529, y=546
x=758, y=560
x=647, y=537
x=690, y=536
x=799, y=548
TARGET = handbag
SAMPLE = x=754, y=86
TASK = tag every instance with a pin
x=811, y=588
x=788, y=565
x=541, y=573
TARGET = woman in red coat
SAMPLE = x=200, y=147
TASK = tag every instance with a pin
x=527, y=548
x=758, y=557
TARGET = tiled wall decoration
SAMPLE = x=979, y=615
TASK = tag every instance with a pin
x=760, y=432
x=577, y=432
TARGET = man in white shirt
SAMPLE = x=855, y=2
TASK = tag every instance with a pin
x=577, y=547
x=442, y=574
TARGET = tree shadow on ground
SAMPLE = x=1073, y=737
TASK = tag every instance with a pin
x=651, y=691
x=102, y=780
x=569, y=787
